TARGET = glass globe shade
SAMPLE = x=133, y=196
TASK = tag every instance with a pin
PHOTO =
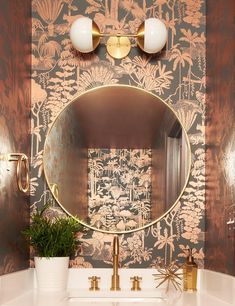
x=82, y=34
x=155, y=35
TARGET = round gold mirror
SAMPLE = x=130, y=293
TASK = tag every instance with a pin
x=117, y=158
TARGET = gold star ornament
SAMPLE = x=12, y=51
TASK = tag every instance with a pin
x=169, y=274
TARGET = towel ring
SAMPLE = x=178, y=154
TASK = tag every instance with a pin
x=22, y=162
x=22, y=167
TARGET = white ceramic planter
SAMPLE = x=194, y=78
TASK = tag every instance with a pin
x=52, y=273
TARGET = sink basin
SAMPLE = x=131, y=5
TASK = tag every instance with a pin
x=109, y=300
x=80, y=295
x=114, y=297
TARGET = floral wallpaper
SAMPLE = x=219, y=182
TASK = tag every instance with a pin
x=177, y=75
x=119, y=188
x=14, y=129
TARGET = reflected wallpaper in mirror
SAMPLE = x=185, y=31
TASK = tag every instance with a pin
x=119, y=188
x=118, y=157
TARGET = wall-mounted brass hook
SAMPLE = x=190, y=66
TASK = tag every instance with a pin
x=21, y=167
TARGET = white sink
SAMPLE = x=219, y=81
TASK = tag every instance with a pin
x=115, y=301
x=80, y=295
x=79, y=279
x=114, y=296
x=100, y=300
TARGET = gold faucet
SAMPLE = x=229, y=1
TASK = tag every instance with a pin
x=115, y=277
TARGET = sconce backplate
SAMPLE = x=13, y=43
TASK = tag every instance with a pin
x=118, y=46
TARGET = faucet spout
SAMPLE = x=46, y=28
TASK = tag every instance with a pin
x=115, y=277
x=115, y=245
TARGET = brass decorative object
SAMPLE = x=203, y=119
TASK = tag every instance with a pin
x=94, y=283
x=22, y=169
x=136, y=283
x=169, y=274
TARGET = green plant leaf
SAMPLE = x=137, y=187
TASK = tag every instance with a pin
x=52, y=237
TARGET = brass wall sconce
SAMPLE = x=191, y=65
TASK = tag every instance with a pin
x=151, y=37
x=22, y=169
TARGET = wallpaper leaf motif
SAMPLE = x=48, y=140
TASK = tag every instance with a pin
x=48, y=10
x=177, y=75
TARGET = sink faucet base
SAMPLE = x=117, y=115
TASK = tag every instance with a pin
x=115, y=286
x=115, y=283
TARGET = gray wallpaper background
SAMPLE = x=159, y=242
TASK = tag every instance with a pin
x=176, y=75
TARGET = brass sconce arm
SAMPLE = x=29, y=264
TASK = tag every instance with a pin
x=118, y=35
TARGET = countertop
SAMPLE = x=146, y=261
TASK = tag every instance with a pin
x=20, y=289
x=35, y=298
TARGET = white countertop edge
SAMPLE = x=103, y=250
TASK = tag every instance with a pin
x=219, y=285
x=214, y=285
x=15, y=284
x=35, y=298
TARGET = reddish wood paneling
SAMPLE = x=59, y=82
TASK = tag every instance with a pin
x=220, y=135
x=15, y=25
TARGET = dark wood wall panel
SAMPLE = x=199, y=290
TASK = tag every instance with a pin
x=220, y=136
x=15, y=36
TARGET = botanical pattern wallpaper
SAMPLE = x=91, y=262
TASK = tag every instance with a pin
x=14, y=129
x=119, y=188
x=176, y=75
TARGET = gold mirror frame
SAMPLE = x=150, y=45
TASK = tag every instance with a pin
x=189, y=157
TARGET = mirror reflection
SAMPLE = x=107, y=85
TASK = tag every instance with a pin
x=117, y=157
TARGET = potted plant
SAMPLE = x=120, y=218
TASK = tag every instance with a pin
x=53, y=241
